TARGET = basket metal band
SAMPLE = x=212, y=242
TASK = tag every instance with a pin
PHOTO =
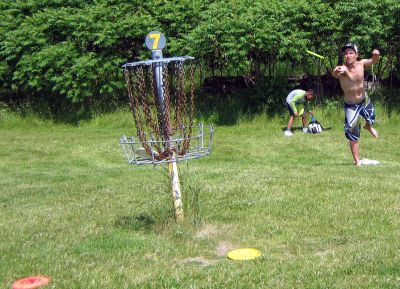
x=201, y=144
x=161, y=60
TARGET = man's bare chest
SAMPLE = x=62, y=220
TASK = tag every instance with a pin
x=355, y=74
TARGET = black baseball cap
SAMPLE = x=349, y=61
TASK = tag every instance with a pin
x=350, y=45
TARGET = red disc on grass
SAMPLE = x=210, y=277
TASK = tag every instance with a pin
x=31, y=282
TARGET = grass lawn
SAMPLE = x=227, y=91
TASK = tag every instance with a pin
x=73, y=209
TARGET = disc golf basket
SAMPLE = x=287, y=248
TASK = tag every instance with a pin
x=161, y=94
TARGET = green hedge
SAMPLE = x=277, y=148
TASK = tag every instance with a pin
x=74, y=50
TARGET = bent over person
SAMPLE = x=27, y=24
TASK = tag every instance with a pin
x=298, y=104
x=356, y=100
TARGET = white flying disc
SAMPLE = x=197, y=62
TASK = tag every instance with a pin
x=367, y=162
x=141, y=153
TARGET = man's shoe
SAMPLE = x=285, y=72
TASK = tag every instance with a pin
x=288, y=132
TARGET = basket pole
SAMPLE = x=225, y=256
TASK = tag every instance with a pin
x=172, y=166
x=176, y=190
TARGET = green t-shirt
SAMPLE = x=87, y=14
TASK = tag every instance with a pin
x=297, y=97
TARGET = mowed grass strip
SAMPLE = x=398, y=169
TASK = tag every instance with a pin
x=74, y=210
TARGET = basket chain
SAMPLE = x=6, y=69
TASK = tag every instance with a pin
x=189, y=132
x=156, y=115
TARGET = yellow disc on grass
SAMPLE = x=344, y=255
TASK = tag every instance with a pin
x=244, y=254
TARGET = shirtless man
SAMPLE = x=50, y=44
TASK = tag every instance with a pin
x=356, y=100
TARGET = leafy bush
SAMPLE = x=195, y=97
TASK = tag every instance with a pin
x=74, y=50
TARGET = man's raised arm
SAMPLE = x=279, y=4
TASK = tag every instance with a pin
x=374, y=59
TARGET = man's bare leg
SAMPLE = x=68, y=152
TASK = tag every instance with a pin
x=304, y=120
x=372, y=131
x=290, y=122
x=355, y=152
